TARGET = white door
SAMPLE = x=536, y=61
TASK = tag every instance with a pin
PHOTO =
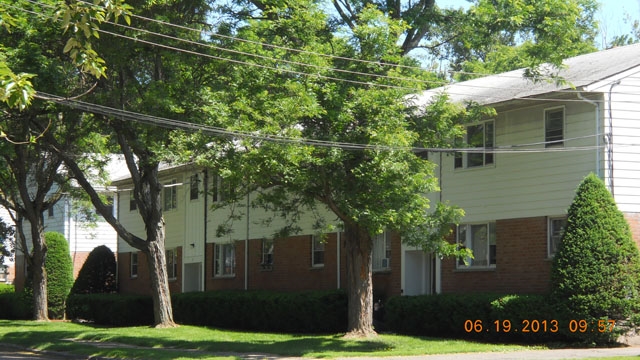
x=419, y=273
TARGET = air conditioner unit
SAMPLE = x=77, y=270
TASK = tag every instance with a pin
x=385, y=263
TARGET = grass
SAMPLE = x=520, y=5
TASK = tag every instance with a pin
x=190, y=342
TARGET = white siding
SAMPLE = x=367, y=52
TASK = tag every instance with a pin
x=625, y=113
x=525, y=184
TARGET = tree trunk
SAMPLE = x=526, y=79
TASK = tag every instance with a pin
x=162, y=310
x=39, y=273
x=359, y=247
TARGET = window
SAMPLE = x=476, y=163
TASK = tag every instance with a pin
x=225, y=260
x=170, y=194
x=381, y=252
x=317, y=251
x=134, y=265
x=50, y=211
x=222, y=189
x=554, y=127
x=481, y=239
x=172, y=264
x=132, y=202
x=479, y=136
x=555, y=230
x=109, y=203
x=267, y=252
x=194, y=187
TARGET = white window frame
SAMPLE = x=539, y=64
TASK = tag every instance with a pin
x=133, y=265
x=170, y=189
x=171, y=256
x=462, y=159
x=221, y=260
x=482, y=259
x=317, y=251
x=222, y=190
x=268, y=246
x=549, y=141
x=133, y=206
x=194, y=187
x=554, y=236
x=381, y=254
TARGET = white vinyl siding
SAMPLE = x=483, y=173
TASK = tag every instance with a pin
x=543, y=180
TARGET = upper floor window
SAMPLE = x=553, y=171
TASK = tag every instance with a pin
x=481, y=239
x=317, y=251
x=222, y=189
x=170, y=195
x=554, y=127
x=194, y=187
x=132, y=201
x=50, y=211
x=479, y=138
x=556, y=226
x=381, y=252
x=225, y=260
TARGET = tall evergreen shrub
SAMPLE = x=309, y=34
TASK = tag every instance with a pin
x=595, y=273
x=59, y=273
x=98, y=274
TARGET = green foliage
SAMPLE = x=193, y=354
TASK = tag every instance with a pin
x=111, y=309
x=6, y=288
x=59, y=273
x=7, y=241
x=98, y=274
x=458, y=316
x=303, y=312
x=15, y=306
x=595, y=271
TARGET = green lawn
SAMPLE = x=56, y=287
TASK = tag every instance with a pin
x=190, y=342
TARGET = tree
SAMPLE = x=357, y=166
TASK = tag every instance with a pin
x=98, y=274
x=30, y=179
x=59, y=273
x=595, y=271
x=151, y=80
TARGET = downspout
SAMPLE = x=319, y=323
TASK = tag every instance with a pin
x=610, y=140
x=246, y=250
x=597, y=105
x=206, y=211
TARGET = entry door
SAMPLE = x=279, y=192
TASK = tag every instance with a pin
x=419, y=273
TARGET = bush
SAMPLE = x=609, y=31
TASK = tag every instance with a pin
x=7, y=288
x=488, y=317
x=595, y=271
x=111, y=309
x=59, y=273
x=302, y=312
x=98, y=274
x=15, y=306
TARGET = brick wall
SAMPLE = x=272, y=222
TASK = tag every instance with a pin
x=522, y=265
x=634, y=223
x=78, y=259
x=141, y=285
x=388, y=283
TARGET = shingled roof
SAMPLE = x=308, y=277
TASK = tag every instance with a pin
x=580, y=72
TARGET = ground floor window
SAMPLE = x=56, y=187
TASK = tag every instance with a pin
x=555, y=229
x=381, y=252
x=267, y=252
x=317, y=251
x=225, y=260
x=172, y=264
x=134, y=265
x=481, y=239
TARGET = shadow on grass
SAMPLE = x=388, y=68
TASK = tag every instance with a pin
x=102, y=343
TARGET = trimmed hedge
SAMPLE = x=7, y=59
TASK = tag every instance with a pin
x=15, y=306
x=59, y=273
x=111, y=309
x=98, y=274
x=301, y=312
x=474, y=316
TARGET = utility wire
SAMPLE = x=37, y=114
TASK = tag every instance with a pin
x=217, y=131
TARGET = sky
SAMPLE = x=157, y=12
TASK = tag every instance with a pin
x=611, y=16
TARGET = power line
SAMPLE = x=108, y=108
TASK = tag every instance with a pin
x=217, y=131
